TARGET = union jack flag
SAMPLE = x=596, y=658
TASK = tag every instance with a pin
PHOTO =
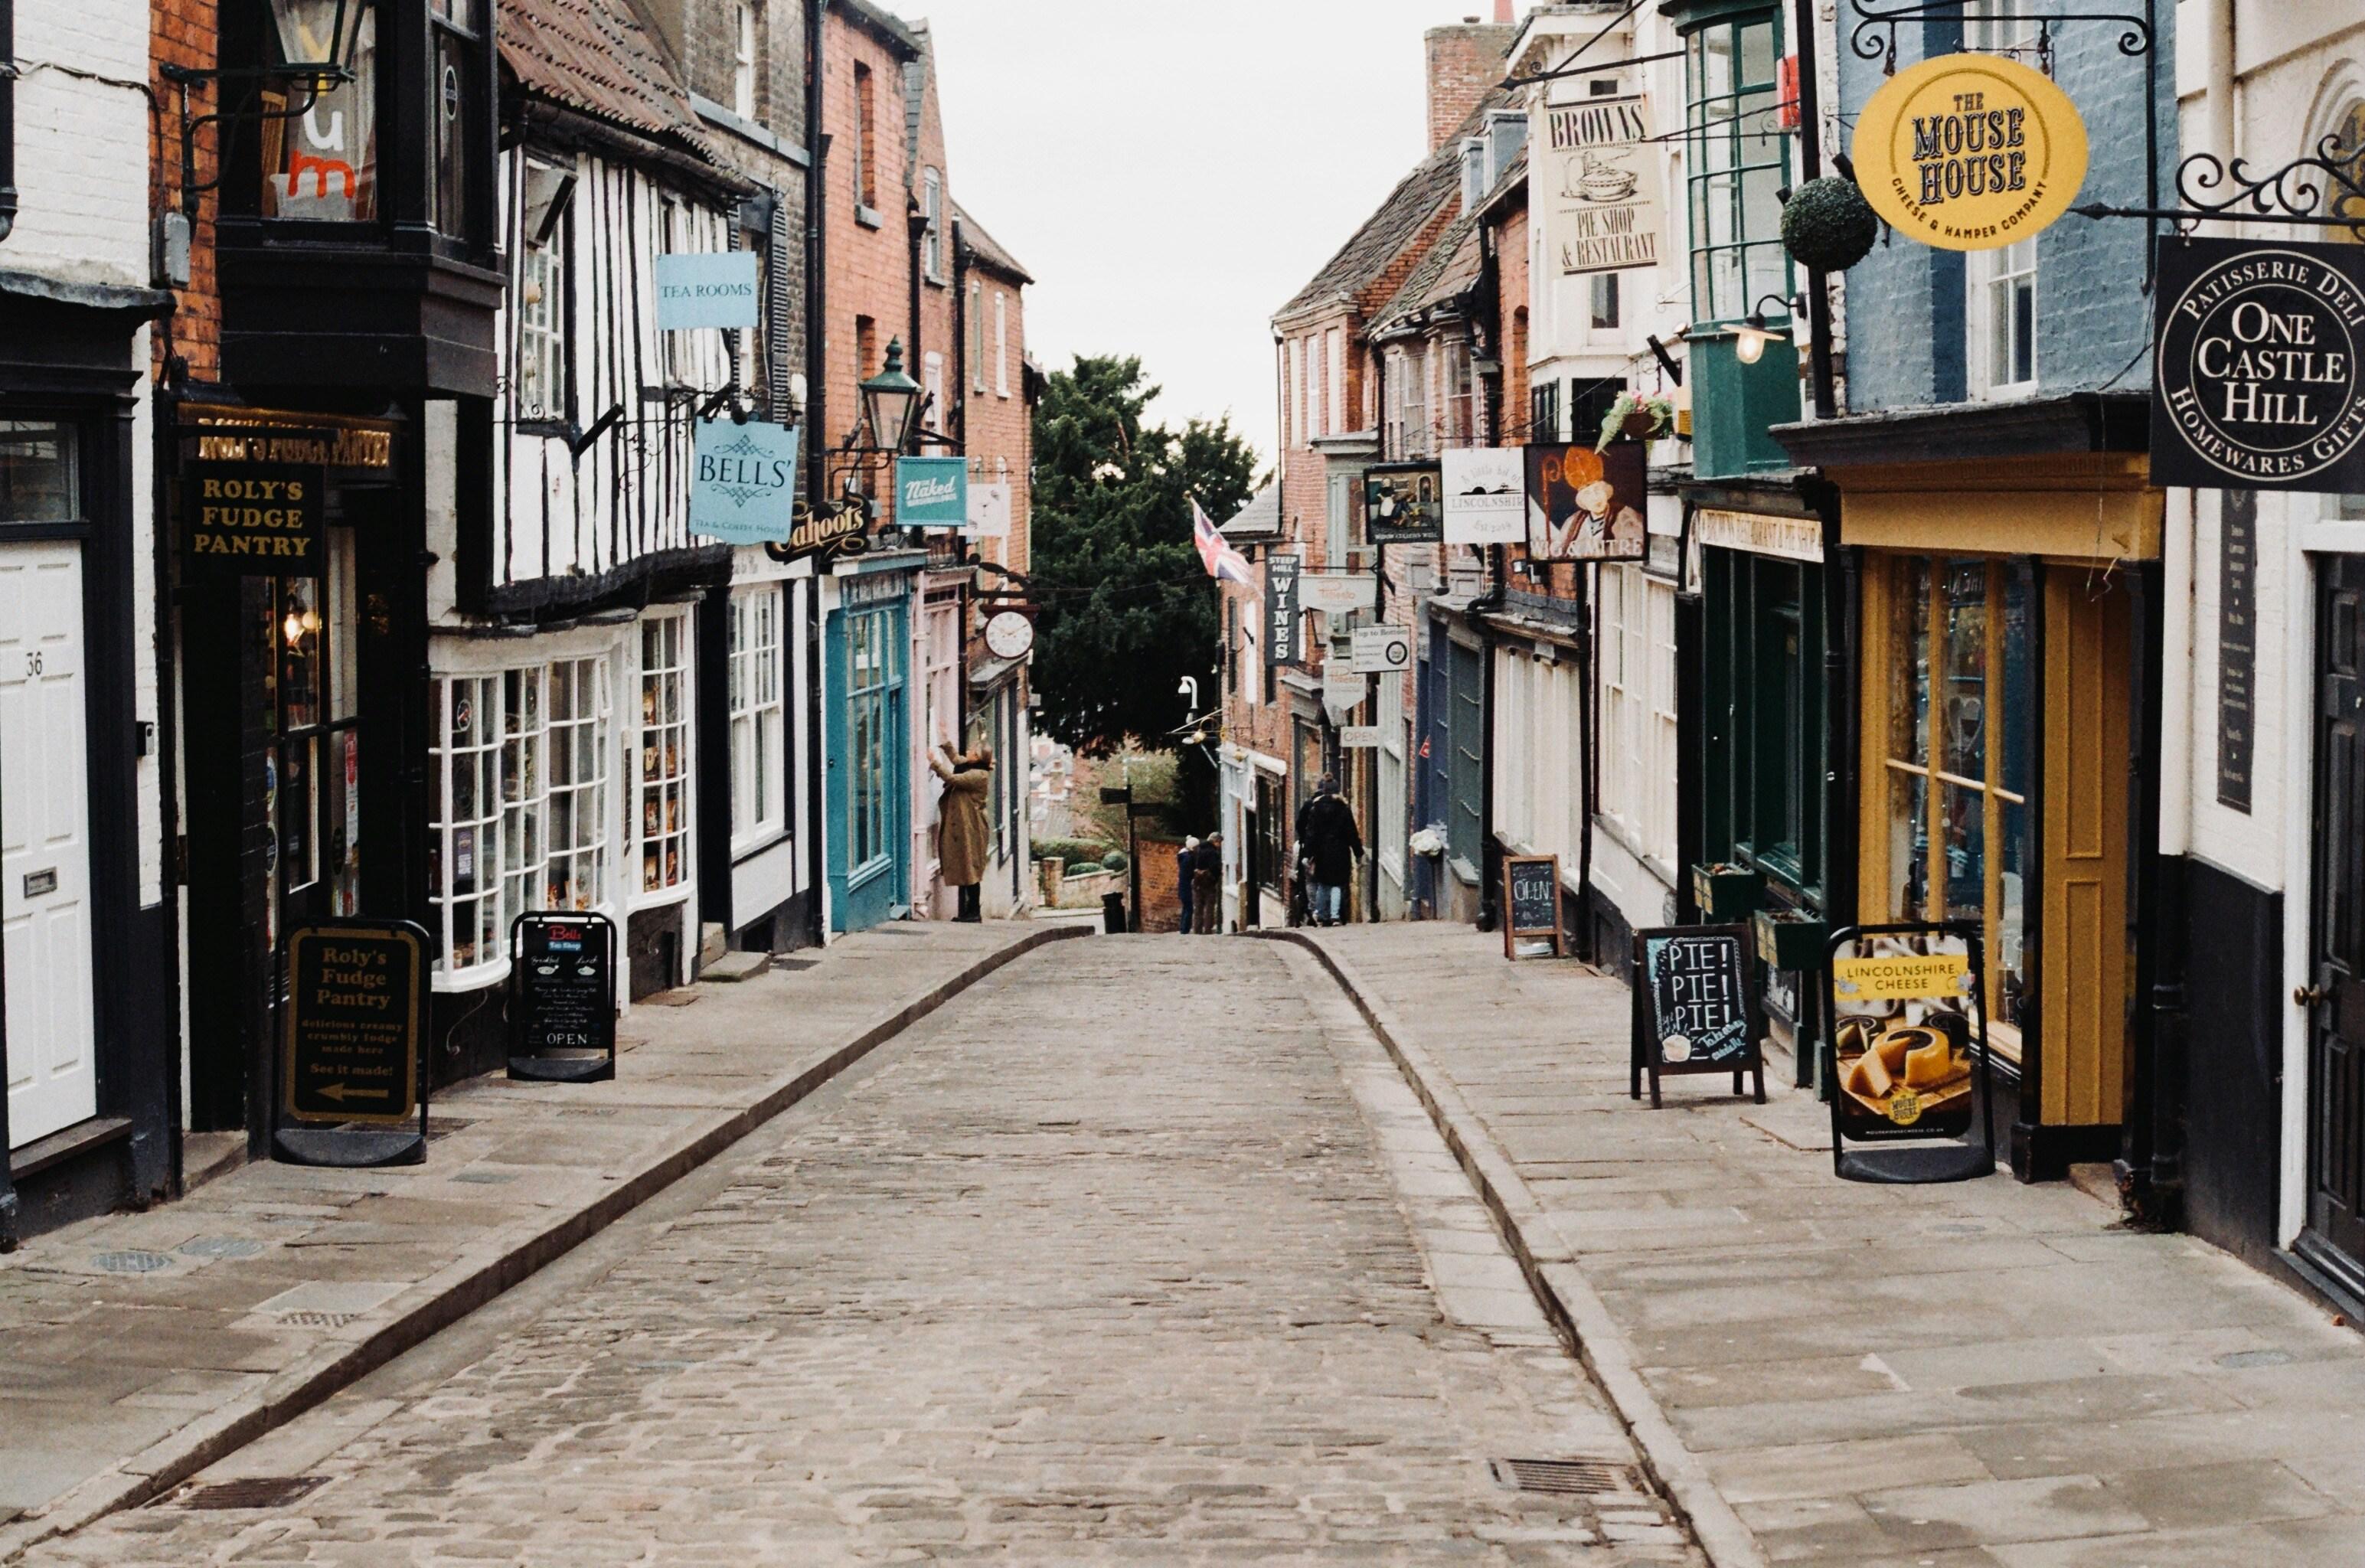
x=1221, y=560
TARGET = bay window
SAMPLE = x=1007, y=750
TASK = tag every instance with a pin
x=664, y=754
x=1738, y=157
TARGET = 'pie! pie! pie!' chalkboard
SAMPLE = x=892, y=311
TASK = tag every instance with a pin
x=1694, y=1006
x=1531, y=901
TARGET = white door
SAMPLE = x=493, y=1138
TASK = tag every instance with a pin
x=44, y=842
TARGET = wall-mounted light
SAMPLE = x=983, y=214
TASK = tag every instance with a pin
x=1754, y=334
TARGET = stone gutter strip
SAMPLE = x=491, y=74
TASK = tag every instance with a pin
x=1556, y=1276
x=482, y=1270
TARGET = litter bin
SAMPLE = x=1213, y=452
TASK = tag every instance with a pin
x=1112, y=914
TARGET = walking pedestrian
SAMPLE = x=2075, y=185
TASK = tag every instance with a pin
x=1183, y=858
x=1327, y=836
x=963, y=833
x=1207, y=893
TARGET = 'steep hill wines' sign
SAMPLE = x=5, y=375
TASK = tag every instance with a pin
x=353, y=1014
x=1694, y=1008
x=2259, y=386
x=257, y=520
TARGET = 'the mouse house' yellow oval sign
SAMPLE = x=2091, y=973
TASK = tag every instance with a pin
x=1970, y=151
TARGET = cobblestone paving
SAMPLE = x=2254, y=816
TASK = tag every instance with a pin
x=1127, y=1255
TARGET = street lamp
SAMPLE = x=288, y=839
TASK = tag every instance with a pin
x=890, y=403
x=1754, y=335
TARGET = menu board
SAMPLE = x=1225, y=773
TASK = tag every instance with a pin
x=1695, y=1007
x=562, y=996
x=1531, y=901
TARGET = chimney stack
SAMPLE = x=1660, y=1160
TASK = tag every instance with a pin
x=1464, y=63
x=1503, y=12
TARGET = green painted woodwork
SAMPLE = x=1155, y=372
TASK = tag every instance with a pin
x=1734, y=404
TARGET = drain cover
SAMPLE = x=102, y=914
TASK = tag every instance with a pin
x=302, y=1319
x=131, y=1262
x=222, y=1246
x=1574, y=1476
x=257, y=1492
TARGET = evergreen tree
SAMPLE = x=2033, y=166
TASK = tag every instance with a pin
x=1127, y=609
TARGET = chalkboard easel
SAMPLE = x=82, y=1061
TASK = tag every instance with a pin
x=1531, y=903
x=350, y=1073
x=1695, y=1007
x=562, y=999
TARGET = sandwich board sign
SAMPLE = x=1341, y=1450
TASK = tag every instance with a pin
x=1694, y=1007
x=561, y=1000
x=1910, y=1059
x=1531, y=904
x=351, y=1070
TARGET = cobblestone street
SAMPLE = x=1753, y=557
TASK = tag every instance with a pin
x=1140, y=1251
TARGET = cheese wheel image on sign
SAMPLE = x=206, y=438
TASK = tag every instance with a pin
x=1930, y=1065
x=1970, y=151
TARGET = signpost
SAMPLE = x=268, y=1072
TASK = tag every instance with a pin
x=561, y=1000
x=1486, y=495
x=1284, y=618
x=350, y=1060
x=1908, y=1002
x=1381, y=650
x=1694, y=1008
x=743, y=488
x=1403, y=504
x=1339, y=593
x=1531, y=903
x=931, y=492
x=708, y=288
x=1587, y=505
x=1970, y=151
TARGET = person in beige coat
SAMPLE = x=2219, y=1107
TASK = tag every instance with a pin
x=965, y=838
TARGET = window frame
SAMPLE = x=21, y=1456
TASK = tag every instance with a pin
x=557, y=344
x=932, y=239
x=757, y=706
x=1720, y=121
x=653, y=775
x=743, y=60
x=1002, y=342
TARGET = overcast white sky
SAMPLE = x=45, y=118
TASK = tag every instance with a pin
x=1170, y=174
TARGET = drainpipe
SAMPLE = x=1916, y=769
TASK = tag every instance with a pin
x=7, y=117
x=816, y=421
x=1475, y=614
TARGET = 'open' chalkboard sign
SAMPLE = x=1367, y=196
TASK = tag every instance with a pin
x=563, y=997
x=1531, y=901
x=1694, y=1007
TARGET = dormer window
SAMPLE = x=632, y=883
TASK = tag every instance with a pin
x=320, y=163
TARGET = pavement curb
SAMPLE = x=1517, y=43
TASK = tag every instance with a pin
x=1555, y=1277
x=468, y=1283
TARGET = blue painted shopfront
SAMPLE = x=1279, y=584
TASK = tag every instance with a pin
x=869, y=792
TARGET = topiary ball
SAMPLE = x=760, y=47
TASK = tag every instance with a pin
x=1828, y=226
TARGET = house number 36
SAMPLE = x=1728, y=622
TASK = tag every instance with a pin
x=32, y=664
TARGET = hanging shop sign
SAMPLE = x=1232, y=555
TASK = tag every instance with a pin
x=1339, y=593
x=1486, y=495
x=707, y=289
x=1284, y=617
x=1531, y=905
x=561, y=1000
x=931, y=492
x=1694, y=1008
x=743, y=484
x=351, y=1025
x=1382, y=650
x=1402, y=504
x=1791, y=538
x=1359, y=737
x=1604, y=206
x=253, y=519
x=989, y=511
x=1909, y=1016
x=1970, y=151
x=833, y=529
x=1342, y=689
x=2257, y=384
x=1587, y=505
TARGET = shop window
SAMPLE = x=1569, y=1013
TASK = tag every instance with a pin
x=320, y=164
x=664, y=753
x=873, y=670
x=463, y=874
x=1955, y=668
x=759, y=807
x=576, y=834
x=1738, y=158
x=38, y=482
x=522, y=790
x=1638, y=720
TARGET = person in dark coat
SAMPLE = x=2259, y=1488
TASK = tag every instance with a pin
x=1207, y=896
x=1327, y=837
x=1184, y=859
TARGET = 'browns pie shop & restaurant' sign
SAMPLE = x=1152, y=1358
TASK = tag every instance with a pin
x=2257, y=385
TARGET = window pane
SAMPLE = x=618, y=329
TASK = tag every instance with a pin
x=321, y=163
x=1909, y=680
x=2017, y=696
x=1756, y=52
x=2008, y=965
x=1964, y=720
x=37, y=472
x=1908, y=844
x=1964, y=822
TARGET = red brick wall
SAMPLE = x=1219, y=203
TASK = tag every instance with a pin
x=1465, y=63
x=868, y=268
x=186, y=33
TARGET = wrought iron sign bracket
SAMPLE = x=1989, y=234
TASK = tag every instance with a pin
x=2292, y=194
x=312, y=80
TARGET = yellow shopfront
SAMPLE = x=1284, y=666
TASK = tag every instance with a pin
x=1999, y=676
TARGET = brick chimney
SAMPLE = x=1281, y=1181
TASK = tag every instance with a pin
x=1465, y=61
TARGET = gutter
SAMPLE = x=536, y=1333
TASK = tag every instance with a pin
x=8, y=118
x=815, y=415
